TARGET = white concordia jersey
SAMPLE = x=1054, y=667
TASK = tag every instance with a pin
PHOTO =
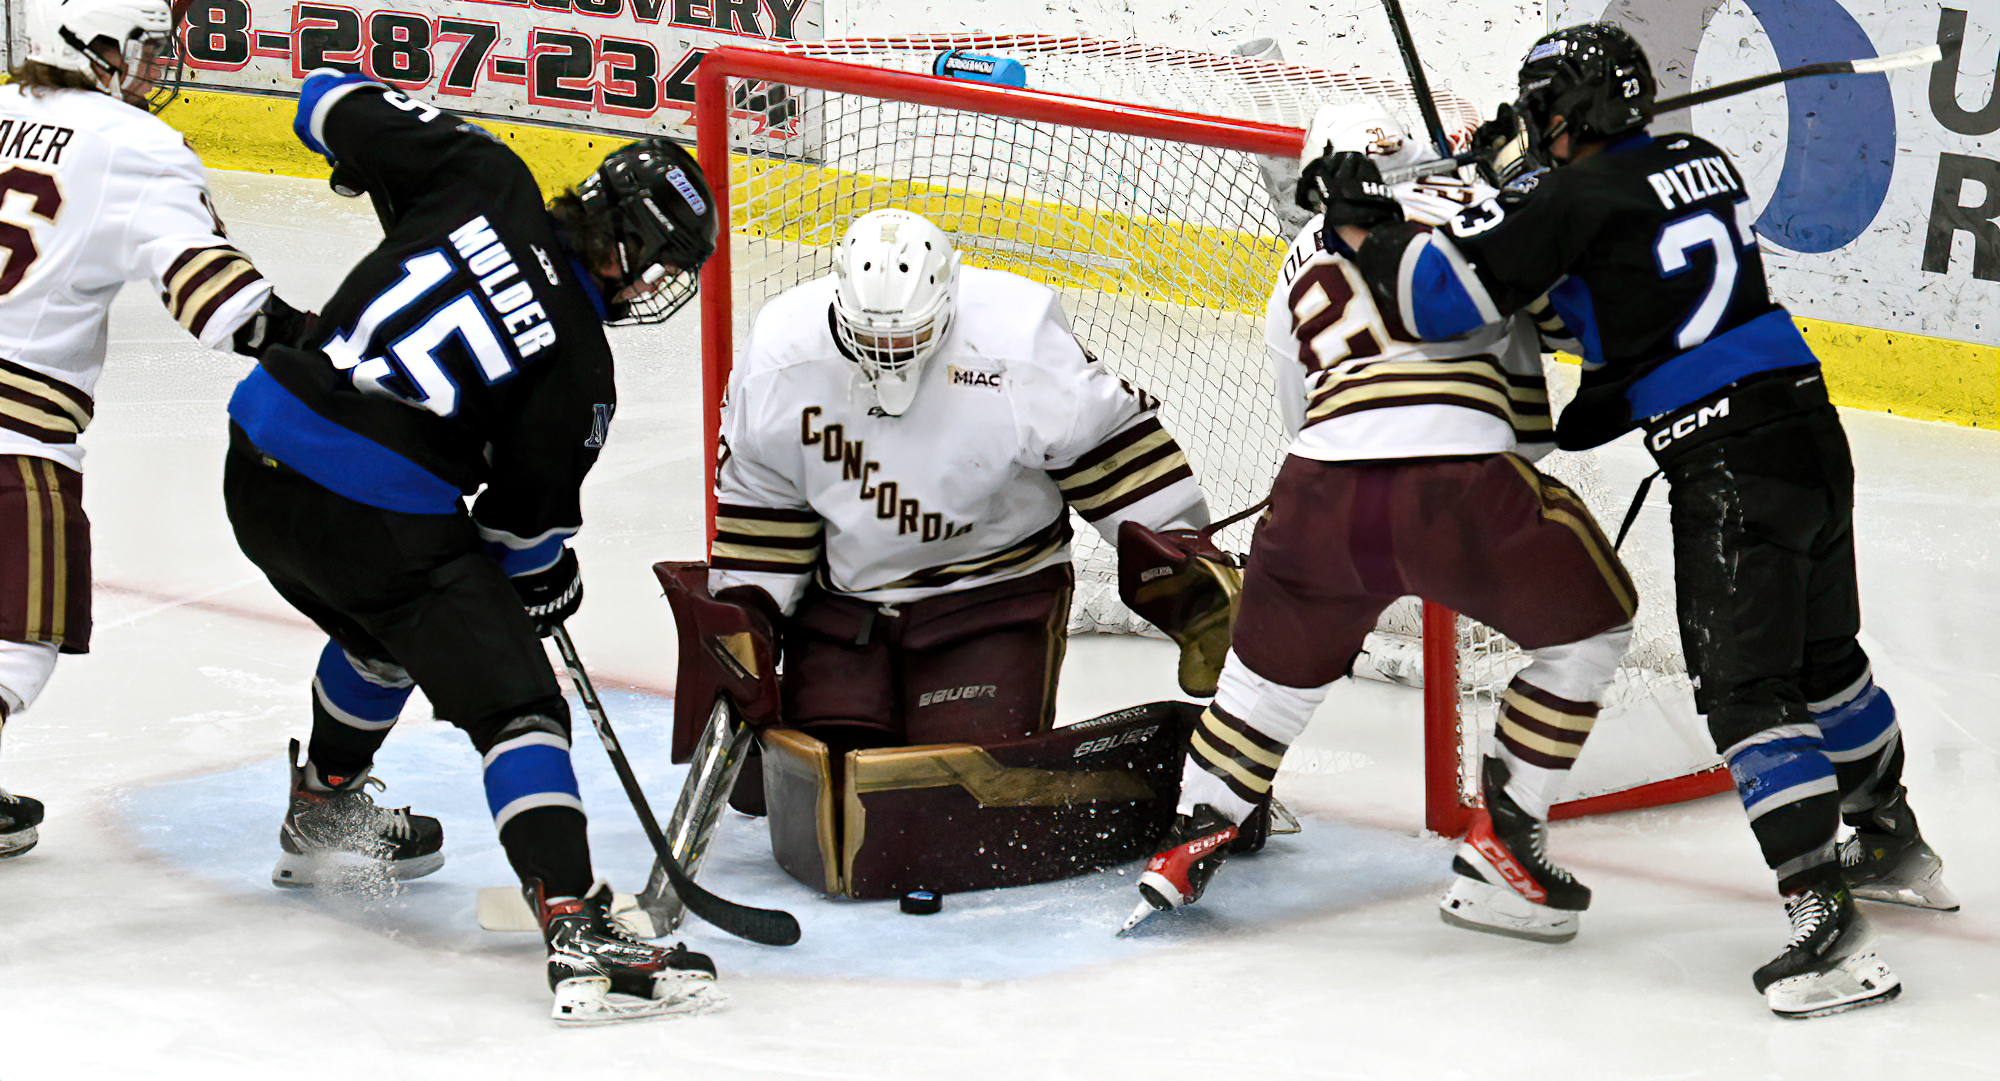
x=93, y=193
x=1013, y=425
x=1353, y=386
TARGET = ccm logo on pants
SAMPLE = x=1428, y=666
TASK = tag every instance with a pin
x=1687, y=425
x=955, y=694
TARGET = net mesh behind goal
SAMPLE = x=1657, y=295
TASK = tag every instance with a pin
x=1158, y=227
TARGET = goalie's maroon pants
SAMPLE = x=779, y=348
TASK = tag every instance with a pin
x=973, y=666
x=1489, y=536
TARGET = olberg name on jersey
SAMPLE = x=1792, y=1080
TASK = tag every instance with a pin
x=836, y=449
x=487, y=257
x=33, y=142
x=1692, y=181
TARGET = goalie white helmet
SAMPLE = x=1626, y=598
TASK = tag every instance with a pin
x=895, y=292
x=1365, y=126
x=77, y=35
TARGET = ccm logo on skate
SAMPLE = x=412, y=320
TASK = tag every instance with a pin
x=955, y=694
x=1689, y=424
x=1151, y=573
x=1116, y=739
x=1516, y=875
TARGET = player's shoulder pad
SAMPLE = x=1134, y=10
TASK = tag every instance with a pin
x=793, y=328
x=1000, y=315
x=322, y=90
x=130, y=128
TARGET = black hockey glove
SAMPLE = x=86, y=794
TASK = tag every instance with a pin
x=276, y=323
x=551, y=595
x=1502, y=147
x=1347, y=187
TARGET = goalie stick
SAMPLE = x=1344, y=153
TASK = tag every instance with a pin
x=771, y=927
x=1929, y=54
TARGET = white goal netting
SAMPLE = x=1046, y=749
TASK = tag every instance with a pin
x=1162, y=251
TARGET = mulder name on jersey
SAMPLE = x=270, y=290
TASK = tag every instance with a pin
x=1645, y=250
x=467, y=349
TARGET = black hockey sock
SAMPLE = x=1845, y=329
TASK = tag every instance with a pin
x=338, y=749
x=550, y=844
x=1798, y=843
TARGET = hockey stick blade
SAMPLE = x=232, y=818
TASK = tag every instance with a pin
x=768, y=926
x=1929, y=54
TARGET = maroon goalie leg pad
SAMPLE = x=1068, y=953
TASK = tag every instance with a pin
x=725, y=648
x=957, y=817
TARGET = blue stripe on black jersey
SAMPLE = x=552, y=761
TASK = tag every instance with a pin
x=1571, y=299
x=1763, y=344
x=1441, y=304
x=335, y=458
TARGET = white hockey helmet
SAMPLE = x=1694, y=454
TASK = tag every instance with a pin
x=74, y=35
x=895, y=292
x=1366, y=126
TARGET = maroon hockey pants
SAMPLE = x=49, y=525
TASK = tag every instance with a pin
x=1490, y=537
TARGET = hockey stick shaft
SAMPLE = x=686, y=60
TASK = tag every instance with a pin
x=1419, y=85
x=1929, y=54
x=770, y=927
x=718, y=757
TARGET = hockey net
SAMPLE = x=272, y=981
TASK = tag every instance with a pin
x=1144, y=184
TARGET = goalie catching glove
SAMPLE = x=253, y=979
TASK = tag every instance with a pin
x=1180, y=582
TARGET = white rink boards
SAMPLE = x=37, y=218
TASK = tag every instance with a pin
x=141, y=940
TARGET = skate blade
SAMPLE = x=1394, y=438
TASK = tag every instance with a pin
x=346, y=871
x=1154, y=890
x=1857, y=981
x=588, y=1000
x=1928, y=891
x=502, y=908
x=18, y=843
x=1482, y=906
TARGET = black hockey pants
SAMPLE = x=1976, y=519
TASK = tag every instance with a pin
x=417, y=591
x=1763, y=507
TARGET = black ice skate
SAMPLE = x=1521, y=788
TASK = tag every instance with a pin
x=1886, y=859
x=1506, y=884
x=19, y=816
x=335, y=835
x=1829, y=966
x=601, y=974
x=1189, y=856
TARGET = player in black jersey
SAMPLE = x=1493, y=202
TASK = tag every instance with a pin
x=1644, y=245
x=466, y=354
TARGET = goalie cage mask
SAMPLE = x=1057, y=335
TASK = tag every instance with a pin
x=895, y=292
x=1592, y=81
x=141, y=32
x=652, y=200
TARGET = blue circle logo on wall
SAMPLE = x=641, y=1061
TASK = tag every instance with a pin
x=1840, y=150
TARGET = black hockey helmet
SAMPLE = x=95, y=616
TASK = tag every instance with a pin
x=649, y=208
x=1592, y=81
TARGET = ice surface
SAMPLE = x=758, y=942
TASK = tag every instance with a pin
x=142, y=939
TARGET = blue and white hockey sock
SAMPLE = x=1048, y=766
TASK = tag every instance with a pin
x=355, y=703
x=529, y=770
x=1863, y=742
x=1788, y=789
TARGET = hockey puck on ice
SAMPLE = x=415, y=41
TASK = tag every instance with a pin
x=922, y=902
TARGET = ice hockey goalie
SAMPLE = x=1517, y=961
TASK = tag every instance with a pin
x=903, y=445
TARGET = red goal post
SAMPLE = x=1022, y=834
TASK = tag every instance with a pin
x=720, y=99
